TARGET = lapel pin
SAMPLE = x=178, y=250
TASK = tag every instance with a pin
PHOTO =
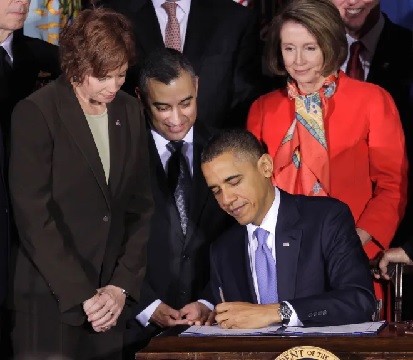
x=286, y=244
x=118, y=123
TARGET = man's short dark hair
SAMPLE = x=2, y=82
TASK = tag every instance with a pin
x=240, y=142
x=163, y=65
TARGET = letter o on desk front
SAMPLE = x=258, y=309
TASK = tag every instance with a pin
x=306, y=353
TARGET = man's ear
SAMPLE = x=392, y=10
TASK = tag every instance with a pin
x=265, y=165
x=196, y=85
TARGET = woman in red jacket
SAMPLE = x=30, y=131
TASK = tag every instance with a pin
x=331, y=135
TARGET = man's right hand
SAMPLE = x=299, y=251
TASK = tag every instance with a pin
x=393, y=255
x=165, y=316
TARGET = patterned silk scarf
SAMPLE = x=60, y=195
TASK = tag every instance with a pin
x=301, y=164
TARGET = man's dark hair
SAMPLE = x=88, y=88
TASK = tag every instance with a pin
x=163, y=65
x=240, y=142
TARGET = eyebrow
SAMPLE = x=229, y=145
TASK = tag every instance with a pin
x=158, y=103
x=306, y=44
x=227, y=180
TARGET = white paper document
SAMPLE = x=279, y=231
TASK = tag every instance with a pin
x=367, y=328
x=216, y=330
x=364, y=329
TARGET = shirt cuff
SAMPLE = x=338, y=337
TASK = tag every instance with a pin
x=294, y=320
x=207, y=304
x=144, y=316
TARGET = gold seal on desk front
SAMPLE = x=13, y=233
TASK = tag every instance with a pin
x=306, y=352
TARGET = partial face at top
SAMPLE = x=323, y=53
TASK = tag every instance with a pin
x=242, y=187
x=355, y=12
x=13, y=13
x=103, y=90
x=173, y=106
x=302, y=56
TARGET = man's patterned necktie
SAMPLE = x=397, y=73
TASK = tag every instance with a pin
x=179, y=179
x=172, y=31
x=265, y=269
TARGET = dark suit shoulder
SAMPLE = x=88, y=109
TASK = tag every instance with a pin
x=393, y=29
x=219, y=11
x=389, y=51
x=36, y=44
x=44, y=55
x=203, y=132
x=229, y=6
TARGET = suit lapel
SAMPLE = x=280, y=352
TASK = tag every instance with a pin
x=117, y=131
x=24, y=73
x=161, y=189
x=287, y=245
x=74, y=119
x=199, y=190
x=199, y=31
x=248, y=269
x=382, y=57
x=145, y=16
x=158, y=170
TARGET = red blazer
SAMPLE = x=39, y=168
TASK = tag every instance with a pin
x=368, y=163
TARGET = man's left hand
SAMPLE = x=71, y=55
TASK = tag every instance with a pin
x=115, y=305
x=195, y=313
x=242, y=315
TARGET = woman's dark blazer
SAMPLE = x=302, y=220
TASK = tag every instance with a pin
x=76, y=232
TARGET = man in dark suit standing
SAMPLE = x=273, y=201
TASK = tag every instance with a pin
x=4, y=242
x=221, y=40
x=187, y=218
x=291, y=259
x=21, y=59
x=375, y=53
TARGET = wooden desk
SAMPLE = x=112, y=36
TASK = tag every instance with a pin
x=386, y=345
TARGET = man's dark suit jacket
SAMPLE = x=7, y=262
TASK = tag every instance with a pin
x=4, y=227
x=178, y=267
x=77, y=233
x=391, y=66
x=221, y=43
x=30, y=56
x=323, y=272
